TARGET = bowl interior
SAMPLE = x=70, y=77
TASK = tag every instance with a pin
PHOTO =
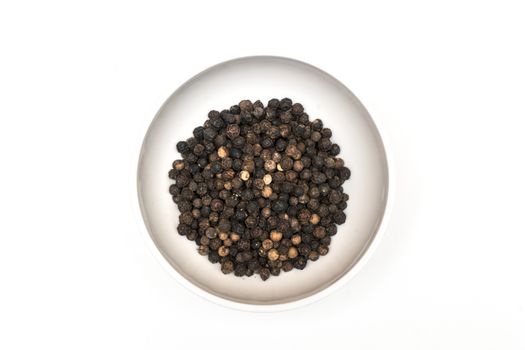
x=264, y=78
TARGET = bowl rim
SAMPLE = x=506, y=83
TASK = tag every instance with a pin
x=328, y=290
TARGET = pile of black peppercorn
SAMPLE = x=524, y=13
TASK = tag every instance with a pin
x=259, y=189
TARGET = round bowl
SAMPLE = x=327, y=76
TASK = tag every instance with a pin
x=324, y=97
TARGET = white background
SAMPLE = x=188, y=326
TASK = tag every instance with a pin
x=79, y=84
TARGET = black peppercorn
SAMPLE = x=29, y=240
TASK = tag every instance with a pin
x=216, y=205
x=273, y=103
x=318, y=178
x=232, y=131
x=235, y=109
x=274, y=132
x=285, y=104
x=313, y=256
x=304, y=249
x=213, y=114
x=316, y=136
x=267, y=142
x=253, y=265
x=238, y=142
x=246, y=105
x=243, y=244
x=182, y=147
x=335, y=149
x=319, y=232
x=334, y=182
x=202, y=162
x=317, y=125
x=184, y=206
x=174, y=190
x=287, y=266
x=213, y=257
x=258, y=112
x=213, y=217
x=209, y=133
x=279, y=206
x=306, y=174
x=211, y=232
x=205, y=211
x=198, y=133
x=186, y=218
x=300, y=263
x=264, y=273
x=217, y=123
x=210, y=146
x=335, y=197
x=339, y=217
x=240, y=270
x=192, y=235
x=325, y=144
x=189, y=157
x=227, y=267
x=183, y=229
x=275, y=271
x=297, y=109
x=326, y=132
x=326, y=241
x=216, y=167
x=344, y=173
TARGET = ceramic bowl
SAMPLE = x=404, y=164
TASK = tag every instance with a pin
x=323, y=97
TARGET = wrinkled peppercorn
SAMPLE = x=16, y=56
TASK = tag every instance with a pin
x=227, y=267
x=313, y=256
x=264, y=273
x=259, y=188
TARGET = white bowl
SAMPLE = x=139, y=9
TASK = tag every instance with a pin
x=323, y=97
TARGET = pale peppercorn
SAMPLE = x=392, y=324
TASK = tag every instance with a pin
x=292, y=252
x=266, y=212
x=314, y=219
x=244, y=175
x=223, y=251
x=296, y=239
x=222, y=152
x=269, y=165
x=266, y=192
x=276, y=236
x=273, y=255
